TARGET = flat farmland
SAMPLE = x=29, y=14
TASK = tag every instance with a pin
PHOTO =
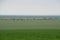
x=29, y=29
x=30, y=34
x=29, y=24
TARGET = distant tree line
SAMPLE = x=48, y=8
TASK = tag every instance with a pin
x=25, y=18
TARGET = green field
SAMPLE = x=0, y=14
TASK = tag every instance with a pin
x=29, y=24
x=29, y=34
x=29, y=30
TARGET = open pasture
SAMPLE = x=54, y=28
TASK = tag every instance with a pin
x=29, y=30
x=29, y=34
x=29, y=24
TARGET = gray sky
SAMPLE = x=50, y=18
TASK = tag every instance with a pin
x=29, y=7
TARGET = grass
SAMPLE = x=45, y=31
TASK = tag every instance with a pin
x=28, y=24
x=29, y=30
x=29, y=34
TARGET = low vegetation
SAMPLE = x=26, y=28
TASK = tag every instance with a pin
x=29, y=30
x=29, y=34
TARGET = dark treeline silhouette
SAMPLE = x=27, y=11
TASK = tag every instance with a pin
x=25, y=18
x=29, y=17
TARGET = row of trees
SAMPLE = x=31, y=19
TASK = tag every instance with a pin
x=25, y=18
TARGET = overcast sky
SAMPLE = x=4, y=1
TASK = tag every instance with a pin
x=29, y=7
